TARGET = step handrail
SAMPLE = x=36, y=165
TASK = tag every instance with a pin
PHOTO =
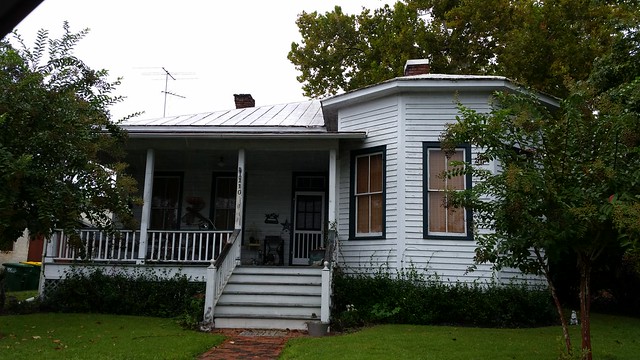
x=218, y=274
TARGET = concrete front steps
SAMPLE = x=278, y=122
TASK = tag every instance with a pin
x=270, y=298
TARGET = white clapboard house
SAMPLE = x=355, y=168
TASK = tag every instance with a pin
x=251, y=200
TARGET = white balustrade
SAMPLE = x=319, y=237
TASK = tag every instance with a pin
x=185, y=246
x=163, y=246
x=97, y=245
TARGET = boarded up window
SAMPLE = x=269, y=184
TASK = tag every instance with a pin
x=444, y=219
x=369, y=199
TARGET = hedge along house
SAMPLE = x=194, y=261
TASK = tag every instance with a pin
x=243, y=199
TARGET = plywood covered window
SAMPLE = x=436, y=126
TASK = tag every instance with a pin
x=368, y=191
x=441, y=218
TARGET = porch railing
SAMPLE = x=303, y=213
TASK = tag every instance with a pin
x=303, y=243
x=96, y=245
x=218, y=273
x=162, y=246
x=185, y=246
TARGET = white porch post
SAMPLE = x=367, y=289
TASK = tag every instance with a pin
x=49, y=251
x=333, y=181
x=240, y=190
x=50, y=248
x=210, y=291
x=146, y=206
x=325, y=297
x=333, y=205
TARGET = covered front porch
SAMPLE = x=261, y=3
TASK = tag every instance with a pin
x=281, y=202
x=250, y=188
x=278, y=195
x=207, y=211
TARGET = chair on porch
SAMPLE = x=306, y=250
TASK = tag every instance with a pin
x=273, y=251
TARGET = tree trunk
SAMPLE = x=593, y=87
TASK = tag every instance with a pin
x=556, y=301
x=563, y=320
x=585, y=305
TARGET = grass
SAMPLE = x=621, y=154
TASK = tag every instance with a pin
x=98, y=336
x=22, y=295
x=613, y=337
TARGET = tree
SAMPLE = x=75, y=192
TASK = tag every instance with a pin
x=570, y=181
x=59, y=151
x=346, y=52
x=536, y=43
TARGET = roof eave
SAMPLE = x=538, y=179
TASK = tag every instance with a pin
x=254, y=135
x=419, y=83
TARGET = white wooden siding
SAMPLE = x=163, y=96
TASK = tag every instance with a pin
x=425, y=120
x=380, y=120
x=418, y=118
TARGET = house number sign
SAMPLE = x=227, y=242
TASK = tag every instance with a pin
x=239, y=181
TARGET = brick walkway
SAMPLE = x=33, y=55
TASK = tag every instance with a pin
x=250, y=344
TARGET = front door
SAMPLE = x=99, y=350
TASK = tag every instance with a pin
x=308, y=229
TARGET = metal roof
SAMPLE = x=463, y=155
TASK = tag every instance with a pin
x=307, y=114
x=300, y=120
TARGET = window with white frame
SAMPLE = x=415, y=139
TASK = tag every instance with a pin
x=442, y=219
x=368, y=194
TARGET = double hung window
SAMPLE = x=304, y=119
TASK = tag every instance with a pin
x=368, y=194
x=441, y=218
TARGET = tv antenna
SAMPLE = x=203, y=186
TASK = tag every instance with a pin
x=166, y=92
x=166, y=75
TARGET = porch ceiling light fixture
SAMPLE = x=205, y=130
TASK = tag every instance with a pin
x=221, y=162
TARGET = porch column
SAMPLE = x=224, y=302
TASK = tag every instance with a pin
x=147, y=196
x=325, y=297
x=50, y=248
x=333, y=180
x=240, y=190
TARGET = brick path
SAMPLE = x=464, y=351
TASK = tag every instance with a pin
x=250, y=344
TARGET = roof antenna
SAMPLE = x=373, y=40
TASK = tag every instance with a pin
x=166, y=92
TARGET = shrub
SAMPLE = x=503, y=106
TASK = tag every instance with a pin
x=410, y=298
x=140, y=292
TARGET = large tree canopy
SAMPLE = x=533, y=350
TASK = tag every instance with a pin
x=569, y=189
x=536, y=43
x=345, y=52
x=59, y=150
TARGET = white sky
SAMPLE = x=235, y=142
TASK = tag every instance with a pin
x=213, y=48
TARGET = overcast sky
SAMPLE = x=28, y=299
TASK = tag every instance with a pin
x=214, y=49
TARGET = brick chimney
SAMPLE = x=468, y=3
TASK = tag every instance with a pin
x=416, y=67
x=244, y=101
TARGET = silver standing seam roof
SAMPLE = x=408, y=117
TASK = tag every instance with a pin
x=300, y=119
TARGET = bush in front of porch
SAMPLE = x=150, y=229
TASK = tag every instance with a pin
x=410, y=298
x=141, y=293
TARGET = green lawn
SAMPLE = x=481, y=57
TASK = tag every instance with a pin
x=97, y=336
x=22, y=295
x=613, y=338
